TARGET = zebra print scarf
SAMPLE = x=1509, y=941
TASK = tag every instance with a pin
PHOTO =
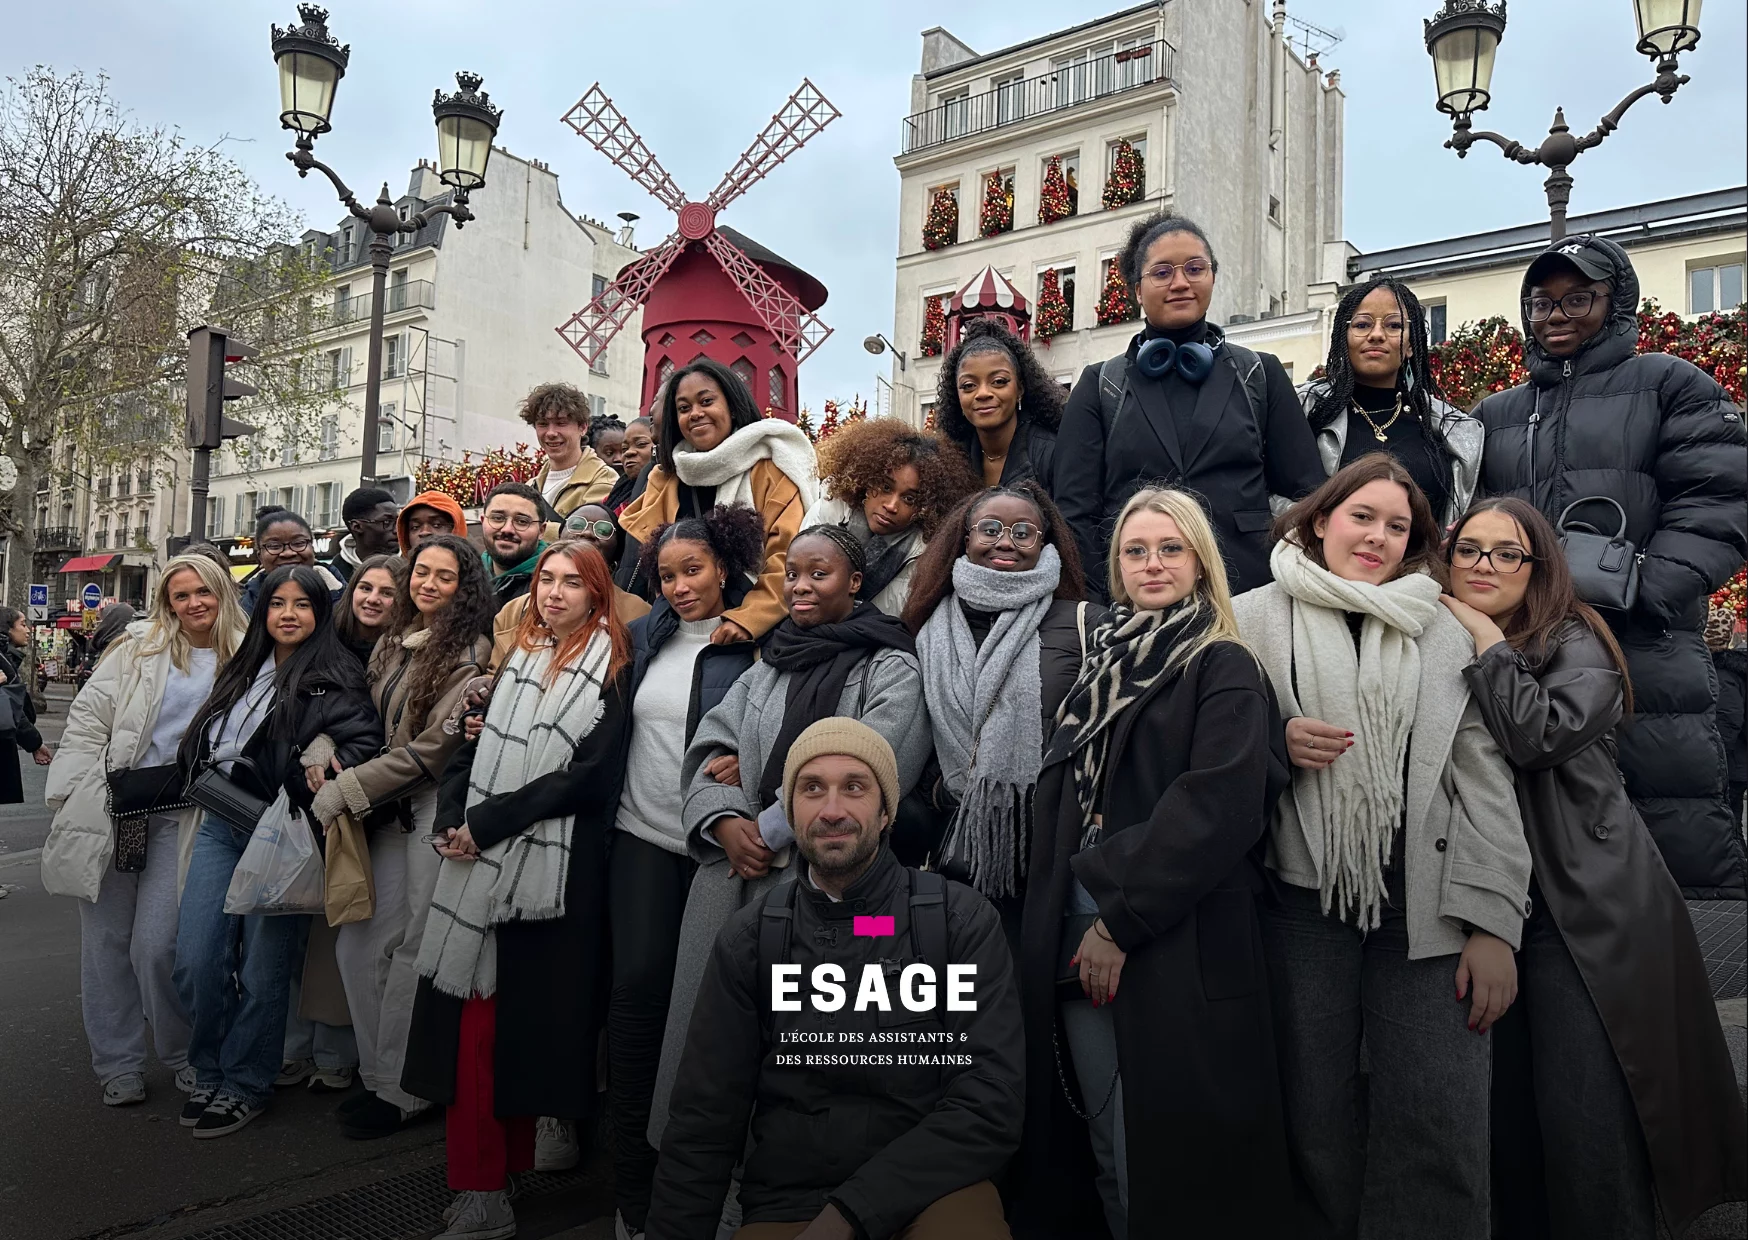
x=1127, y=654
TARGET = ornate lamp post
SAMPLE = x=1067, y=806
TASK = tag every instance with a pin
x=1463, y=37
x=311, y=63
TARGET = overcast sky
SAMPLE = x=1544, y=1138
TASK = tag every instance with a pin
x=698, y=78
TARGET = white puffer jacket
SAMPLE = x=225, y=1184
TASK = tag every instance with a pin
x=109, y=727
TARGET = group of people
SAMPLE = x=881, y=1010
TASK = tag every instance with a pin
x=1016, y=826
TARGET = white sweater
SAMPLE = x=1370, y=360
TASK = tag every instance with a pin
x=649, y=805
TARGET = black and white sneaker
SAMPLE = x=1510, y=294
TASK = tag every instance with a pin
x=226, y=1114
x=198, y=1100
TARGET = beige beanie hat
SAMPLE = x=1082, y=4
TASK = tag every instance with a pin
x=840, y=734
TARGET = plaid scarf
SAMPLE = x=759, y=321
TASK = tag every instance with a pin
x=531, y=729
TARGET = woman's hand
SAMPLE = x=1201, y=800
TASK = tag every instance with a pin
x=315, y=777
x=43, y=756
x=1101, y=964
x=724, y=769
x=1481, y=627
x=460, y=846
x=747, y=854
x=728, y=632
x=1313, y=744
x=1488, y=968
x=472, y=726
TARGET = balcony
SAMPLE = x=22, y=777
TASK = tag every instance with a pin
x=413, y=295
x=1068, y=86
x=57, y=538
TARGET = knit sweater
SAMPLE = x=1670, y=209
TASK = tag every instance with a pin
x=651, y=801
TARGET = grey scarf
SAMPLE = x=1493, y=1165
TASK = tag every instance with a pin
x=986, y=706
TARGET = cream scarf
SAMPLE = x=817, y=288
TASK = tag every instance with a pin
x=729, y=465
x=1355, y=803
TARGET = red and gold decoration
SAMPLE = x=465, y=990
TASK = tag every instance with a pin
x=998, y=205
x=1053, y=313
x=469, y=482
x=934, y=326
x=1733, y=598
x=1116, y=305
x=1713, y=342
x=1128, y=179
x=835, y=417
x=1478, y=358
x=941, y=228
x=1053, y=201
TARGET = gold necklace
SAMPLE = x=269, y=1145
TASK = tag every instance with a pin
x=1377, y=430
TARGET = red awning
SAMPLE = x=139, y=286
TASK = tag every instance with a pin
x=89, y=563
x=989, y=290
x=73, y=622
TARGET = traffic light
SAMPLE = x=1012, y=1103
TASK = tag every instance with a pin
x=210, y=350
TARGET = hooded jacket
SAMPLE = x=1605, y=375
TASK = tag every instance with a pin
x=430, y=499
x=1662, y=438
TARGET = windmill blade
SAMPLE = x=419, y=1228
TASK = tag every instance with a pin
x=798, y=330
x=795, y=124
x=589, y=330
x=596, y=118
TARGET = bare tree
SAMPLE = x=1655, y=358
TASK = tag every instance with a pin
x=115, y=239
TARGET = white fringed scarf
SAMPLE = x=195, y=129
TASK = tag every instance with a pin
x=729, y=465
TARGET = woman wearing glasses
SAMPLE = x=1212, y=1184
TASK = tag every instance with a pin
x=1183, y=407
x=1612, y=1090
x=1378, y=395
x=1599, y=425
x=283, y=539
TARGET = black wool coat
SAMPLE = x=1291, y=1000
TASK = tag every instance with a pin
x=552, y=975
x=1194, y=770
x=1660, y=437
x=1032, y=455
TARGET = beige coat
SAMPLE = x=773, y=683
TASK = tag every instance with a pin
x=589, y=483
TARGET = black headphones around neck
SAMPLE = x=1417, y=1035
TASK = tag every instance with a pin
x=1192, y=359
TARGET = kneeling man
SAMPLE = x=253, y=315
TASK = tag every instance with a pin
x=865, y=1017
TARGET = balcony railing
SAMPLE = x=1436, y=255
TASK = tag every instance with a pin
x=57, y=538
x=413, y=295
x=1067, y=86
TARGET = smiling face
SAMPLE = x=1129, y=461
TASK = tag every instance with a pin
x=1155, y=560
x=194, y=605
x=691, y=579
x=291, y=618
x=892, y=508
x=989, y=389
x=818, y=584
x=1481, y=585
x=636, y=450
x=512, y=525
x=433, y=580
x=1561, y=335
x=283, y=543
x=373, y=598
x=560, y=596
x=703, y=413
x=1377, y=339
x=1181, y=300
x=838, y=814
x=560, y=438
x=1366, y=536
x=1013, y=548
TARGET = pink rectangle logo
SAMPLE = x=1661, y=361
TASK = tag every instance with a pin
x=874, y=927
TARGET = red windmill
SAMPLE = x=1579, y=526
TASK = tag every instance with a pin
x=707, y=290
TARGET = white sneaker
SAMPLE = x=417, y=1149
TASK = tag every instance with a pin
x=186, y=1080
x=514, y=1178
x=623, y=1232
x=294, y=1072
x=481, y=1216
x=555, y=1144
x=126, y=1090
x=330, y=1080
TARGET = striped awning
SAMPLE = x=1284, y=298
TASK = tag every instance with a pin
x=989, y=290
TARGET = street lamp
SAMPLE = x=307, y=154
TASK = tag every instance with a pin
x=311, y=63
x=878, y=344
x=1463, y=38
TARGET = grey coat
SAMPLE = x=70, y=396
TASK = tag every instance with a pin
x=1463, y=438
x=884, y=692
x=1465, y=858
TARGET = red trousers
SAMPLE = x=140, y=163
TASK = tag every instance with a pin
x=482, y=1148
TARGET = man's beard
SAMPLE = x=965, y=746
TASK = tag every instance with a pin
x=509, y=559
x=840, y=863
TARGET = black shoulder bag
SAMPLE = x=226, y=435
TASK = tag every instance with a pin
x=132, y=797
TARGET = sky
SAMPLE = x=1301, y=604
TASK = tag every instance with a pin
x=699, y=78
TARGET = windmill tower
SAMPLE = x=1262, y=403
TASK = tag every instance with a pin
x=708, y=290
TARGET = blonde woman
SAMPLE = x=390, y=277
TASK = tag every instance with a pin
x=116, y=764
x=1141, y=956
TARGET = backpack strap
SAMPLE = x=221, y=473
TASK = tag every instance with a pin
x=928, y=917
x=776, y=927
x=1255, y=381
x=1113, y=387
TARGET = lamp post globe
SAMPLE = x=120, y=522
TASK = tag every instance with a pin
x=1463, y=38
x=311, y=63
x=1667, y=27
x=467, y=122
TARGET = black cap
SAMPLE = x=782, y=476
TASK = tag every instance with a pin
x=1592, y=261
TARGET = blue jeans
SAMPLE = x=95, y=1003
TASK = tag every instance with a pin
x=232, y=973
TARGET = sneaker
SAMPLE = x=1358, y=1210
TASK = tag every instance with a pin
x=361, y=1098
x=198, y=1100
x=555, y=1144
x=623, y=1231
x=186, y=1080
x=371, y=1119
x=126, y=1090
x=481, y=1216
x=331, y=1080
x=226, y=1114
x=294, y=1072
x=512, y=1178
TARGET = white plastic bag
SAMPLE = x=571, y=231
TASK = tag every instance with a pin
x=280, y=871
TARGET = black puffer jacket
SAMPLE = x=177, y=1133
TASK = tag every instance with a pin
x=1662, y=438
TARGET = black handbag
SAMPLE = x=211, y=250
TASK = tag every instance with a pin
x=132, y=797
x=1605, y=567
x=222, y=797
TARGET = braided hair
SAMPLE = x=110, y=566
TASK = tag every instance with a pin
x=1414, y=380
x=841, y=538
x=1041, y=397
x=600, y=425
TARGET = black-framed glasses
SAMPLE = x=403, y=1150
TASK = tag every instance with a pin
x=1503, y=559
x=1197, y=269
x=602, y=530
x=1574, y=305
x=1023, y=533
x=298, y=545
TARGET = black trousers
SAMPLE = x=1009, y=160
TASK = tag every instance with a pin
x=646, y=899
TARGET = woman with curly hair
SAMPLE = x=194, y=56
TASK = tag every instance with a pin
x=889, y=485
x=433, y=646
x=997, y=403
x=1183, y=407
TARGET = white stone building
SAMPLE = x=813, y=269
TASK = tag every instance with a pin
x=1236, y=131
x=469, y=328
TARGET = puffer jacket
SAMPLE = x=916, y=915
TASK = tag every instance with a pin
x=1660, y=437
x=109, y=727
x=1462, y=444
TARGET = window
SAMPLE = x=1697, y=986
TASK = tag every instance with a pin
x=121, y=538
x=1436, y=323
x=325, y=515
x=288, y=498
x=42, y=518
x=143, y=522
x=1068, y=163
x=1010, y=98
x=743, y=370
x=598, y=285
x=124, y=483
x=597, y=407
x=330, y=437
x=343, y=304
x=385, y=428
x=347, y=235
x=927, y=409
x=775, y=379
x=145, y=480
x=956, y=113
x=1050, y=316
x=1133, y=61
x=394, y=356
x=1072, y=77
x=340, y=368
x=103, y=531
x=397, y=290
x=1274, y=209
x=245, y=513
x=1714, y=289
x=215, y=516
x=1138, y=141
